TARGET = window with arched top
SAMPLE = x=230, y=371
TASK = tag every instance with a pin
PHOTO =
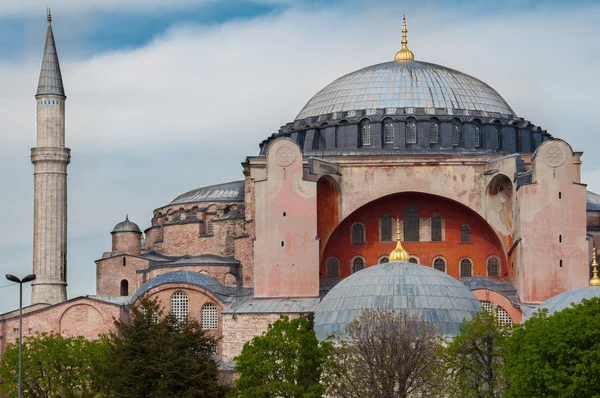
x=413, y=260
x=209, y=227
x=501, y=315
x=477, y=136
x=455, y=134
x=333, y=267
x=436, y=228
x=466, y=268
x=179, y=306
x=383, y=260
x=411, y=223
x=386, y=228
x=358, y=234
x=411, y=132
x=124, y=287
x=439, y=264
x=465, y=234
x=388, y=133
x=434, y=133
x=493, y=267
x=209, y=316
x=366, y=133
x=357, y=264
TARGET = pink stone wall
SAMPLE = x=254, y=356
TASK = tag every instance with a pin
x=111, y=271
x=553, y=252
x=286, y=250
x=500, y=300
x=244, y=253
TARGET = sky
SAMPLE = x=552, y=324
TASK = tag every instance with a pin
x=168, y=96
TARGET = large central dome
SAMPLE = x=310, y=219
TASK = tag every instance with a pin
x=411, y=84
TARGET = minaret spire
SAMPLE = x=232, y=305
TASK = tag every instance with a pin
x=50, y=158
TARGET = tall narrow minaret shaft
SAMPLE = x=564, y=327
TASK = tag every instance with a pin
x=50, y=159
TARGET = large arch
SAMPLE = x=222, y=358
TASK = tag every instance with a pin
x=484, y=241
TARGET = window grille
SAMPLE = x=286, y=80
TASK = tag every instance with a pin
x=357, y=264
x=386, y=228
x=366, y=134
x=179, y=306
x=466, y=268
x=465, y=234
x=210, y=317
x=411, y=133
x=455, y=135
x=436, y=228
x=358, y=234
x=411, y=223
x=388, y=133
x=477, y=137
x=154, y=314
x=333, y=267
x=433, y=133
x=502, y=317
x=439, y=264
x=493, y=268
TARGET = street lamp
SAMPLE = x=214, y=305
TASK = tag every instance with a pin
x=13, y=278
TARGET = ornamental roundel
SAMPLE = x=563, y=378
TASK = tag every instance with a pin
x=285, y=156
x=555, y=156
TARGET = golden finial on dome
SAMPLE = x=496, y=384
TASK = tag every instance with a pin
x=404, y=54
x=399, y=254
x=595, y=281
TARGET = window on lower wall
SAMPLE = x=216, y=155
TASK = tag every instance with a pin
x=439, y=264
x=465, y=234
x=210, y=317
x=493, y=268
x=358, y=234
x=436, y=228
x=386, y=228
x=411, y=223
x=179, y=306
x=500, y=313
x=124, y=287
x=333, y=267
x=357, y=264
x=466, y=268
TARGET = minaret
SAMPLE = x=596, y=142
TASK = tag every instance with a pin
x=50, y=159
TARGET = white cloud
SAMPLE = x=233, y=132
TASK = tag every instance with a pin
x=148, y=123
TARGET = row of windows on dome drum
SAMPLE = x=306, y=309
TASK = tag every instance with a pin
x=209, y=314
x=465, y=265
x=525, y=140
x=411, y=228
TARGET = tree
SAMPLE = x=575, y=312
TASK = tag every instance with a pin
x=285, y=361
x=557, y=355
x=52, y=363
x=476, y=358
x=156, y=355
x=384, y=354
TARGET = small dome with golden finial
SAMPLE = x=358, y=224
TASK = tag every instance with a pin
x=404, y=54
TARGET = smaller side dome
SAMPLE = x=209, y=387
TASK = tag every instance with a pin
x=126, y=226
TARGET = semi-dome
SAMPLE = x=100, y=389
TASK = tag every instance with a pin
x=401, y=286
x=126, y=226
x=408, y=84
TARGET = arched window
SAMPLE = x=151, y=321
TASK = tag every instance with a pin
x=388, y=133
x=411, y=132
x=455, y=134
x=209, y=316
x=477, y=137
x=411, y=223
x=179, y=306
x=358, y=234
x=366, y=133
x=493, y=267
x=357, y=264
x=436, y=228
x=466, y=268
x=439, y=264
x=434, y=135
x=413, y=260
x=386, y=228
x=209, y=227
x=465, y=234
x=502, y=317
x=333, y=267
x=383, y=260
x=124, y=287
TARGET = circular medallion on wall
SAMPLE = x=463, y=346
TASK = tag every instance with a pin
x=555, y=156
x=285, y=155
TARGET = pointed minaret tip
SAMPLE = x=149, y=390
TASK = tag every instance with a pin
x=50, y=82
x=49, y=17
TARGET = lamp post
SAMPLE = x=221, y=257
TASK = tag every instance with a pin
x=13, y=278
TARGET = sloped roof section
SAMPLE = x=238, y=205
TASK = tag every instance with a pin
x=592, y=201
x=50, y=77
x=227, y=192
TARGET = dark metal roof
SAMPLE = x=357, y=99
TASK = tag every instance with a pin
x=253, y=305
x=126, y=226
x=411, y=288
x=503, y=287
x=592, y=201
x=412, y=84
x=226, y=192
x=50, y=81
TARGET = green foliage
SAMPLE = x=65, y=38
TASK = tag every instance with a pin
x=285, y=361
x=476, y=359
x=52, y=363
x=157, y=356
x=557, y=355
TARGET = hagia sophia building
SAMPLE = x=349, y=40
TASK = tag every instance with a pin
x=479, y=208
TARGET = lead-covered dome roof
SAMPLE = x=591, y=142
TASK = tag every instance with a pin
x=126, y=226
x=410, y=84
x=227, y=192
x=402, y=286
x=567, y=299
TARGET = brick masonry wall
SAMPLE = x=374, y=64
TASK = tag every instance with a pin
x=126, y=242
x=111, y=271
